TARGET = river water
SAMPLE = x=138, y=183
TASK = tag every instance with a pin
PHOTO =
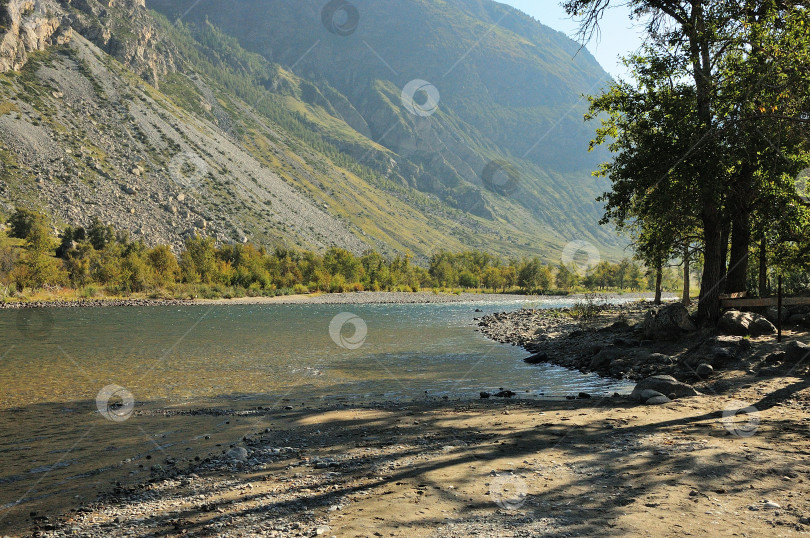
x=182, y=354
x=57, y=449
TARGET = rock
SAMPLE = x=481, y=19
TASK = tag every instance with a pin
x=485, y=395
x=504, y=394
x=775, y=357
x=537, y=358
x=795, y=319
x=129, y=189
x=181, y=197
x=660, y=358
x=771, y=504
x=323, y=529
x=667, y=322
x=646, y=394
x=584, y=396
x=796, y=351
x=761, y=326
x=744, y=324
x=771, y=314
x=26, y=27
x=200, y=223
x=237, y=454
x=735, y=322
x=604, y=358
x=665, y=384
x=704, y=370
x=658, y=400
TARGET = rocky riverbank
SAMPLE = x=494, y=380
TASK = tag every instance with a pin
x=364, y=297
x=92, y=303
x=635, y=340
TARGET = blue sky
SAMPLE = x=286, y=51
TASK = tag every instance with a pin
x=620, y=35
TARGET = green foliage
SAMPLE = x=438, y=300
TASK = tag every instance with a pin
x=708, y=139
x=23, y=220
x=122, y=266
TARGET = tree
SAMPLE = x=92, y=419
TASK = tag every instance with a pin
x=164, y=265
x=493, y=278
x=691, y=45
x=198, y=260
x=534, y=276
x=23, y=220
x=100, y=234
x=566, y=277
x=38, y=267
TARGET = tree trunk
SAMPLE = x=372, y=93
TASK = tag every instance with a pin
x=726, y=234
x=687, y=300
x=711, y=192
x=709, y=307
x=737, y=276
x=763, y=267
x=659, y=274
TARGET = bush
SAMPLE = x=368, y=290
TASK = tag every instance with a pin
x=23, y=220
x=300, y=289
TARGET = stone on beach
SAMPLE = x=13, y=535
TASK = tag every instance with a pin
x=797, y=351
x=237, y=454
x=667, y=322
x=666, y=385
x=744, y=324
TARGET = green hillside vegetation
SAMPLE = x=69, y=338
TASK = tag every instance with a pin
x=98, y=261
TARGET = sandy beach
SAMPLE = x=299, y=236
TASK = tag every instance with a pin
x=492, y=467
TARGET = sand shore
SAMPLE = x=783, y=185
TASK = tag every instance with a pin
x=489, y=467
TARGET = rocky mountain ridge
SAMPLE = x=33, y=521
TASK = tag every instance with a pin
x=27, y=26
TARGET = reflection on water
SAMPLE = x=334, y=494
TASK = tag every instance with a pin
x=179, y=354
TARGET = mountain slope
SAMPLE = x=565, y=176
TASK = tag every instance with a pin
x=183, y=130
x=508, y=89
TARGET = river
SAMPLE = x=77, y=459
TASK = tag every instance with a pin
x=57, y=447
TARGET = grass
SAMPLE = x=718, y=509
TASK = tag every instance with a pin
x=7, y=107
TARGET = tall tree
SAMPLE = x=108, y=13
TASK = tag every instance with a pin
x=694, y=44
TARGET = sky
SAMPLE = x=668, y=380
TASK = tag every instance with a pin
x=619, y=37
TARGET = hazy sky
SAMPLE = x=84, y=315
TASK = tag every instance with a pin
x=619, y=36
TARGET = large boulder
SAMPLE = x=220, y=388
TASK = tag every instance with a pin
x=667, y=322
x=744, y=324
x=664, y=384
x=761, y=326
x=604, y=357
x=797, y=351
x=735, y=322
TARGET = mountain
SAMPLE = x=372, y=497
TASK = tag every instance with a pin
x=400, y=125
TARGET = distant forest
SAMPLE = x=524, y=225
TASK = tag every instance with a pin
x=98, y=260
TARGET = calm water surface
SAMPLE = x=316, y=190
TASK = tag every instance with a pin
x=57, y=451
x=183, y=354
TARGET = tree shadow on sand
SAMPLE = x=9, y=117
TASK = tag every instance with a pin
x=573, y=468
